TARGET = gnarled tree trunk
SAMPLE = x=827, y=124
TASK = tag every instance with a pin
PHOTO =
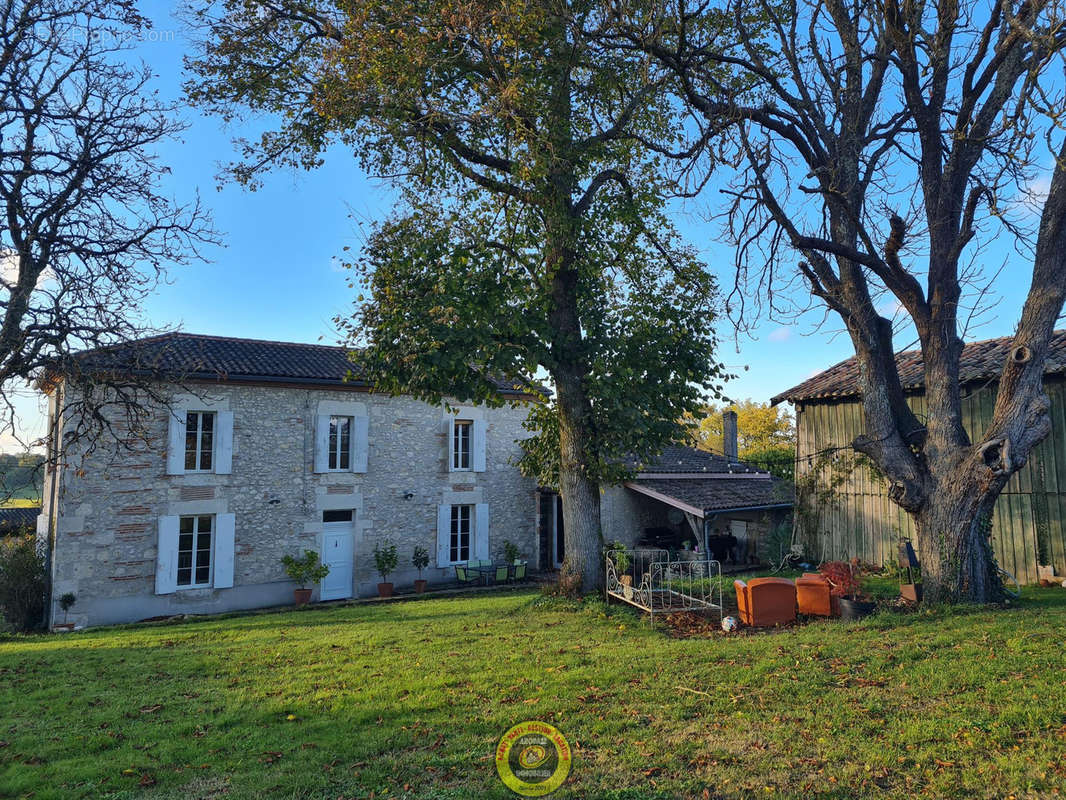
x=954, y=539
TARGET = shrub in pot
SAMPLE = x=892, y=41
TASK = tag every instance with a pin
x=844, y=585
x=510, y=551
x=66, y=602
x=305, y=569
x=420, y=560
x=385, y=562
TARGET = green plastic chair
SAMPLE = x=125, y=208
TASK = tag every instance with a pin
x=501, y=574
x=463, y=576
x=520, y=572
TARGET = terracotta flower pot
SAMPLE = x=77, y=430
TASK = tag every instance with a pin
x=301, y=596
x=420, y=586
x=384, y=590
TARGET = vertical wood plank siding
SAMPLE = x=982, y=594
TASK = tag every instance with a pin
x=1028, y=520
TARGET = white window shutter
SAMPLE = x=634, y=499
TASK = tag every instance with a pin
x=481, y=531
x=449, y=443
x=224, y=446
x=477, y=445
x=176, y=442
x=225, y=534
x=360, y=443
x=444, y=534
x=166, y=560
x=322, y=443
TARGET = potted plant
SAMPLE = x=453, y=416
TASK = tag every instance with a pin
x=66, y=602
x=620, y=557
x=510, y=551
x=420, y=560
x=844, y=585
x=385, y=562
x=305, y=569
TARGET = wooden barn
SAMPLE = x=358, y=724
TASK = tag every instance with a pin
x=856, y=518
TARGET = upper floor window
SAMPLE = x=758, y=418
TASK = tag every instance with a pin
x=194, y=550
x=340, y=443
x=199, y=441
x=461, y=440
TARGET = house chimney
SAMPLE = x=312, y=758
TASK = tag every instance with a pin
x=729, y=434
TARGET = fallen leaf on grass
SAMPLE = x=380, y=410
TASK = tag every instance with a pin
x=270, y=756
x=151, y=709
x=147, y=780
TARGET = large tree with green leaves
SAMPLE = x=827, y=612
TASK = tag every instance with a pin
x=529, y=242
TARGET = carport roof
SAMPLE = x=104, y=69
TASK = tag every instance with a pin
x=710, y=494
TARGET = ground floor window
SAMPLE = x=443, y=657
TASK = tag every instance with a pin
x=195, y=535
x=459, y=546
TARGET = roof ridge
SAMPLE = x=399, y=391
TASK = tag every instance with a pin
x=245, y=339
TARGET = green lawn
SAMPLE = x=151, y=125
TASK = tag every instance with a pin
x=407, y=700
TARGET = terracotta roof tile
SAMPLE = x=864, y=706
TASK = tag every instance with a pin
x=722, y=494
x=188, y=356
x=981, y=361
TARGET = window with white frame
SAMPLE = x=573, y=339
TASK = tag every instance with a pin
x=195, y=535
x=340, y=444
x=199, y=441
x=462, y=432
x=462, y=525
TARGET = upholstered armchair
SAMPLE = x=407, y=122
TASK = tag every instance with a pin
x=814, y=597
x=766, y=601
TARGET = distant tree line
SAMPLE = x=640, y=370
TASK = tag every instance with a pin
x=21, y=476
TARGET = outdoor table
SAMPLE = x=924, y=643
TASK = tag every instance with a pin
x=487, y=571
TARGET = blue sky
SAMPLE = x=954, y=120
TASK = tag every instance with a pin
x=277, y=277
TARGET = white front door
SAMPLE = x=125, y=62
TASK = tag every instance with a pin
x=337, y=554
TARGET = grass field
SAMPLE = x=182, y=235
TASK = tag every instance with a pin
x=407, y=700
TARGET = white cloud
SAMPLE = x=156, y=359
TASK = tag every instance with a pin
x=780, y=335
x=9, y=270
x=1035, y=194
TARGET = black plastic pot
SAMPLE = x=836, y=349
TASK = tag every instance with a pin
x=856, y=609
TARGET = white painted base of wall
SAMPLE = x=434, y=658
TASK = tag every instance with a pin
x=117, y=610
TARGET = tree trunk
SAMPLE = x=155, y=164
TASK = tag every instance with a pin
x=580, y=494
x=580, y=491
x=955, y=544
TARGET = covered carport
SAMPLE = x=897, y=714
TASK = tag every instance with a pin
x=730, y=515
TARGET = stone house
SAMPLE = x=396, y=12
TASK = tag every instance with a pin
x=268, y=449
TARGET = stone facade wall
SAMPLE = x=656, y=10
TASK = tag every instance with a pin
x=109, y=503
x=625, y=515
